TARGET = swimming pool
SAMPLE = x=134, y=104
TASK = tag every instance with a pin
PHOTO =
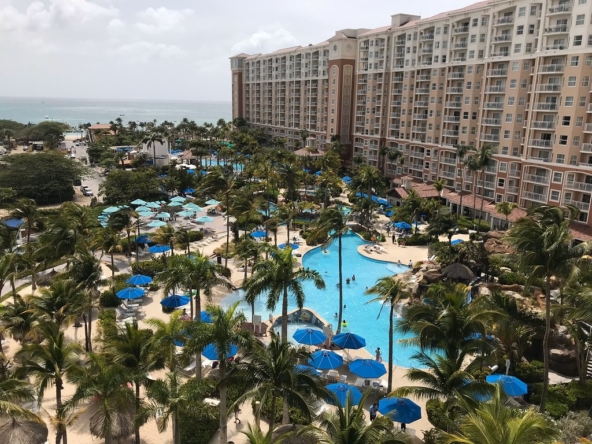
x=362, y=318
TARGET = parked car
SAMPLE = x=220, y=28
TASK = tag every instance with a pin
x=86, y=191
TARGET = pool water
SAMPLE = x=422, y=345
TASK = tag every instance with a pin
x=362, y=317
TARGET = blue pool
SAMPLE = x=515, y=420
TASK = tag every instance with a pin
x=214, y=162
x=362, y=317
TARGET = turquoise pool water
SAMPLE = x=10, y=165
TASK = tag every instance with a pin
x=214, y=162
x=362, y=317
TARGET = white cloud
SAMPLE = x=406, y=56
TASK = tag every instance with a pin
x=143, y=51
x=154, y=21
x=266, y=40
x=81, y=11
x=115, y=24
x=36, y=16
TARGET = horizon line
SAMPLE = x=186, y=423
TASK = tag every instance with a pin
x=114, y=100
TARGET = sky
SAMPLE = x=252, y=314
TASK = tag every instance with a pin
x=164, y=49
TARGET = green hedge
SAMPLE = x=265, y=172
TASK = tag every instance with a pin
x=529, y=372
x=296, y=415
x=148, y=268
x=465, y=224
x=511, y=278
x=108, y=299
x=195, y=236
x=198, y=423
x=107, y=324
x=563, y=398
x=416, y=239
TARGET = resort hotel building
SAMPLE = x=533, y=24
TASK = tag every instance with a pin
x=514, y=75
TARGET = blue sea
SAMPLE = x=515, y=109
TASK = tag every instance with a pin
x=77, y=111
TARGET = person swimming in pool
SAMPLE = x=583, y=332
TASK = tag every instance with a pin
x=353, y=277
x=347, y=281
x=344, y=324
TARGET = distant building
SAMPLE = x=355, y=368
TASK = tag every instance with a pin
x=97, y=130
x=161, y=150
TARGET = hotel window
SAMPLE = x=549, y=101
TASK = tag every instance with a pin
x=506, y=134
x=588, y=60
x=476, y=101
x=582, y=101
x=517, y=48
x=482, y=38
x=557, y=177
x=520, y=30
x=571, y=81
x=509, y=118
x=484, y=21
x=576, y=141
x=560, y=158
x=501, y=183
x=511, y=101
x=565, y=120
x=437, y=30
x=569, y=101
x=522, y=12
x=582, y=2
x=515, y=66
x=465, y=115
x=467, y=100
x=513, y=83
x=474, y=116
x=562, y=140
x=533, y=10
x=577, y=40
x=575, y=61
x=573, y=160
x=469, y=70
x=469, y=85
x=464, y=130
x=477, y=85
x=555, y=195
x=580, y=19
x=475, y=22
x=531, y=29
x=518, y=118
x=523, y=83
x=521, y=101
x=471, y=54
x=517, y=135
x=589, y=42
x=473, y=130
x=585, y=81
x=579, y=121
x=503, y=165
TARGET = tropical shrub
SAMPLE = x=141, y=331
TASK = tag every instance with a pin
x=564, y=397
x=149, y=268
x=198, y=422
x=195, y=236
x=296, y=415
x=108, y=299
x=107, y=324
x=529, y=372
x=416, y=239
x=574, y=426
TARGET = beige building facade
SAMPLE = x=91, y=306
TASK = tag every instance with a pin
x=514, y=75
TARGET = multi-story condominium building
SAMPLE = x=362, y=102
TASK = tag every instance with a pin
x=514, y=75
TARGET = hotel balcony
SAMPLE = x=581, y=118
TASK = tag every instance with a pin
x=447, y=174
x=427, y=37
x=492, y=122
x=486, y=184
x=461, y=30
x=456, y=75
x=514, y=173
x=562, y=8
x=419, y=129
x=503, y=38
x=450, y=133
x=583, y=206
x=493, y=105
x=448, y=160
x=420, y=116
x=534, y=196
x=588, y=128
x=454, y=90
x=578, y=186
x=422, y=104
x=490, y=137
x=497, y=72
x=536, y=178
x=512, y=190
x=461, y=45
x=544, y=106
x=548, y=87
x=416, y=166
x=422, y=91
x=452, y=119
x=540, y=159
x=423, y=77
x=586, y=148
x=540, y=143
x=542, y=124
x=454, y=104
x=551, y=68
x=508, y=20
x=495, y=89
x=560, y=29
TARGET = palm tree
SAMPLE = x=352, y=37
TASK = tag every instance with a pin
x=393, y=157
x=461, y=152
x=216, y=182
x=367, y=179
x=50, y=362
x=123, y=220
x=494, y=422
x=13, y=392
x=484, y=156
x=165, y=336
x=506, y=209
x=60, y=303
x=332, y=225
x=439, y=186
x=223, y=332
x=133, y=349
x=543, y=245
x=20, y=319
x=26, y=209
x=286, y=213
x=247, y=250
x=474, y=167
x=256, y=436
x=389, y=292
x=150, y=140
x=183, y=240
x=271, y=374
x=107, y=239
x=87, y=274
x=347, y=425
x=106, y=382
x=165, y=235
x=276, y=277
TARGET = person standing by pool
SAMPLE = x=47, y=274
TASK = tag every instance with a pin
x=373, y=410
x=394, y=238
x=378, y=355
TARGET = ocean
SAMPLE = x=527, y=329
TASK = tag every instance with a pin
x=77, y=111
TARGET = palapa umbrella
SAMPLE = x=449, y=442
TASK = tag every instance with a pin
x=20, y=431
x=458, y=271
x=45, y=280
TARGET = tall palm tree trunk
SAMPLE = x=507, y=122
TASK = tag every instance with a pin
x=340, y=287
x=58, y=389
x=227, y=227
x=137, y=410
x=286, y=412
x=390, y=351
x=272, y=416
x=546, y=343
x=198, y=374
x=482, y=199
x=112, y=266
x=176, y=432
x=462, y=187
x=223, y=413
x=285, y=315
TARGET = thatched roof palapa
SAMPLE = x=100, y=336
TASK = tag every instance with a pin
x=458, y=271
x=20, y=431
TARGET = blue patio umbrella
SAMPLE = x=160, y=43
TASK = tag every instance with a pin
x=189, y=190
x=143, y=208
x=211, y=352
x=341, y=392
x=511, y=385
x=367, y=368
x=400, y=409
x=159, y=249
x=346, y=179
x=349, y=340
x=301, y=368
x=143, y=239
x=204, y=219
x=139, y=279
x=180, y=199
x=403, y=225
x=186, y=213
x=145, y=213
x=292, y=246
x=456, y=241
x=192, y=207
x=258, y=233
x=138, y=202
x=318, y=173
x=204, y=316
x=130, y=293
x=309, y=336
x=212, y=202
x=163, y=215
x=154, y=205
x=156, y=224
x=110, y=210
x=175, y=301
x=382, y=201
x=325, y=360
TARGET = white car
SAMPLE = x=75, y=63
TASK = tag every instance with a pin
x=86, y=190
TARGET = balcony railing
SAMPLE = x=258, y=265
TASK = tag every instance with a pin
x=579, y=186
x=461, y=30
x=461, y=45
x=508, y=20
x=420, y=116
x=548, y=87
x=540, y=159
x=497, y=72
x=421, y=103
x=556, y=29
x=584, y=206
x=552, y=67
x=447, y=174
x=495, y=89
x=450, y=133
x=514, y=173
x=537, y=178
x=546, y=106
x=540, y=143
x=543, y=124
x=534, y=196
x=493, y=105
x=495, y=122
x=448, y=160
x=502, y=38
x=452, y=119
x=456, y=75
x=513, y=190
x=586, y=148
x=490, y=137
x=455, y=104
x=561, y=9
x=454, y=90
